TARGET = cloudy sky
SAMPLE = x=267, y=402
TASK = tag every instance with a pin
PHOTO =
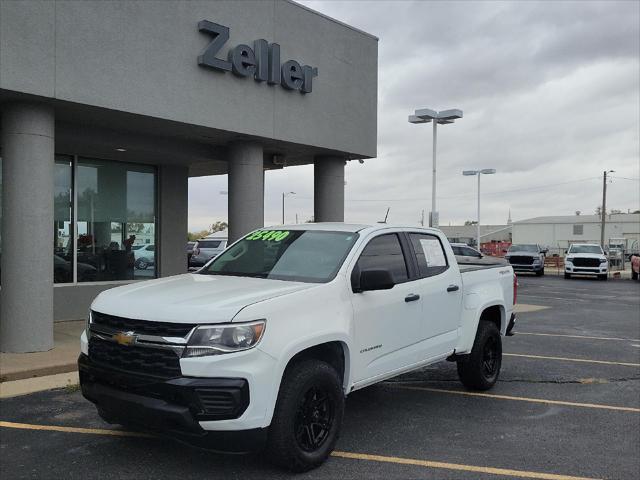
x=551, y=98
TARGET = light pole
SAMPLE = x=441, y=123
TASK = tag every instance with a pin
x=284, y=195
x=425, y=115
x=479, y=173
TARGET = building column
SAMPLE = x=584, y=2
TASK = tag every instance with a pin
x=173, y=192
x=246, y=189
x=328, y=189
x=26, y=304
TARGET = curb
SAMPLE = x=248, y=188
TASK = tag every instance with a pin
x=39, y=372
x=27, y=386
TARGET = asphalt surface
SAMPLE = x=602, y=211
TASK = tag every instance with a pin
x=594, y=430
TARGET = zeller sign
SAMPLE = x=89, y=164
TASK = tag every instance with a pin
x=262, y=61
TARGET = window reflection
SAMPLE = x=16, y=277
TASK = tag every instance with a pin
x=62, y=220
x=116, y=220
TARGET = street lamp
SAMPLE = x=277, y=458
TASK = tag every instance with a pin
x=284, y=195
x=479, y=173
x=425, y=115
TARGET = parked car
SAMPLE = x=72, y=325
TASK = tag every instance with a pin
x=264, y=343
x=145, y=256
x=469, y=255
x=635, y=267
x=205, y=249
x=586, y=259
x=190, y=246
x=527, y=258
x=63, y=271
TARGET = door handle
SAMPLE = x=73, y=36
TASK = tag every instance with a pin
x=453, y=288
x=412, y=297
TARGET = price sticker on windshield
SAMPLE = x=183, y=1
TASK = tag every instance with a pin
x=268, y=235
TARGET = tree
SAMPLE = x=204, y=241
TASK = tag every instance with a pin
x=218, y=227
x=599, y=210
x=614, y=211
x=470, y=222
x=193, y=236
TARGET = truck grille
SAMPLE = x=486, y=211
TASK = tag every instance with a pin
x=154, y=362
x=520, y=260
x=142, y=327
x=586, y=262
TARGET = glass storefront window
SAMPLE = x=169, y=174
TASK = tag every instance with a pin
x=62, y=220
x=116, y=221
x=0, y=218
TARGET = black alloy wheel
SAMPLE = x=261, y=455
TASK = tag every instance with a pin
x=314, y=419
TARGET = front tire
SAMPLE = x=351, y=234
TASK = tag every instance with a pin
x=540, y=273
x=308, y=416
x=480, y=369
x=567, y=275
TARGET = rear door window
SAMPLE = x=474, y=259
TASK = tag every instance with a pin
x=429, y=253
x=384, y=252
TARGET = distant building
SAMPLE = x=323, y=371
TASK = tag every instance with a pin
x=559, y=232
x=467, y=233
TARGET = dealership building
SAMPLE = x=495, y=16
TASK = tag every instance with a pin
x=108, y=108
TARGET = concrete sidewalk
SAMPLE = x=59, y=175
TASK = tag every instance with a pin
x=61, y=359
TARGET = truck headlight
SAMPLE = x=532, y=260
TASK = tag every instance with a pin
x=226, y=338
x=603, y=260
x=569, y=259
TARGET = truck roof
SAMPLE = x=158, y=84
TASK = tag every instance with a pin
x=346, y=227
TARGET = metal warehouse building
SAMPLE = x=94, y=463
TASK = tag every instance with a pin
x=109, y=107
x=559, y=232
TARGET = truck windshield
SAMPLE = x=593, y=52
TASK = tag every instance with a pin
x=296, y=255
x=585, y=249
x=523, y=248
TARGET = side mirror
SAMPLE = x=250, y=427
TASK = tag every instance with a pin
x=544, y=251
x=376, y=280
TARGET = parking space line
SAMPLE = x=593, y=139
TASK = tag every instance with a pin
x=520, y=399
x=58, y=428
x=579, y=336
x=581, y=360
x=456, y=466
x=338, y=454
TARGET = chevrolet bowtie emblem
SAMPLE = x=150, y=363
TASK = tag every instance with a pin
x=125, y=338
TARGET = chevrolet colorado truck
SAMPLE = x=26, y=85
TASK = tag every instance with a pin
x=260, y=347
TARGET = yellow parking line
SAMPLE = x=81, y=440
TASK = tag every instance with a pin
x=583, y=360
x=521, y=399
x=57, y=428
x=456, y=466
x=579, y=336
x=339, y=454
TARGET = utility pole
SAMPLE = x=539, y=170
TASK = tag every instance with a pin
x=603, y=211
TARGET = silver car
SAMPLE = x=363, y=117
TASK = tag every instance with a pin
x=205, y=249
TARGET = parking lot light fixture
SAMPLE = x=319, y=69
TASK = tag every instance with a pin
x=479, y=173
x=444, y=117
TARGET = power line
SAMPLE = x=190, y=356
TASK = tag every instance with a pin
x=420, y=199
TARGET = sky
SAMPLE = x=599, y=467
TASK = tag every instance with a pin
x=551, y=98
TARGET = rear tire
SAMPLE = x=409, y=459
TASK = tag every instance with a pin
x=567, y=275
x=480, y=369
x=307, y=418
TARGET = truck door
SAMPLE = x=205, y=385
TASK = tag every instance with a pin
x=440, y=287
x=387, y=322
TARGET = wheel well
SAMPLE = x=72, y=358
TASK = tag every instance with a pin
x=492, y=314
x=330, y=352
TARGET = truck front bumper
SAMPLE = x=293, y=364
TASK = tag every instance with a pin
x=173, y=407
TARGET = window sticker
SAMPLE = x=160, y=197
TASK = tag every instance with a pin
x=433, y=253
x=268, y=235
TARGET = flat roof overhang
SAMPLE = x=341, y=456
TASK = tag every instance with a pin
x=99, y=132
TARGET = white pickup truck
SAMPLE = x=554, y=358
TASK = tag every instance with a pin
x=261, y=346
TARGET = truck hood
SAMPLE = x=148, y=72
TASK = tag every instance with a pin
x=586, y=255
x=191, y=298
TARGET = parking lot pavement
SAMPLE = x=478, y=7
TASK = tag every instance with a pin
x=575, y=413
